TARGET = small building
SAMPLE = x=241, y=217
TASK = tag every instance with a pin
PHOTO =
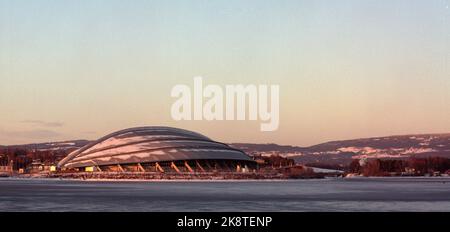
x=436, y=173
x=409, y=171
x=52, y=168
x=5, y=168
x=89, y=169
x=37, y=166
x=260, y=161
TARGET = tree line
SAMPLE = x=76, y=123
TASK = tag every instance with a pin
x=411, y=166
x=22, y=158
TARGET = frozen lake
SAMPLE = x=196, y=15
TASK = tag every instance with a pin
x=365, y=194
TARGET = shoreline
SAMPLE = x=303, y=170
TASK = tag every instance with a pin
x=124, y=180
x=160, y=180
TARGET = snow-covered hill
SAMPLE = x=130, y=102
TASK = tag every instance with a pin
x=334, y=152
x=342, y=152
x=65, y=145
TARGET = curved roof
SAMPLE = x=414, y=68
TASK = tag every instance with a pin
x=150, y=144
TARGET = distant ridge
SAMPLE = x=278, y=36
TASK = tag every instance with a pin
x=343, y=151
x=339, y=152
x=62, y=145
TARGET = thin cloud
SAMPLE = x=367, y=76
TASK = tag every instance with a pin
x=89, y=132
x=30, y=134
x=43, y=123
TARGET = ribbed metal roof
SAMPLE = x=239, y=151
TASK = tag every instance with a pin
x=150, y=144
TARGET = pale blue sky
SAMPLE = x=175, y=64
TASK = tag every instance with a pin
x=346, y=69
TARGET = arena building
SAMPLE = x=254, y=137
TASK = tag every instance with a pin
x=157, y=149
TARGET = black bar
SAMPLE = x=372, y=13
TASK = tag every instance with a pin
x=279, y=221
